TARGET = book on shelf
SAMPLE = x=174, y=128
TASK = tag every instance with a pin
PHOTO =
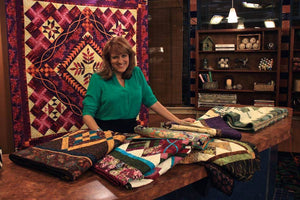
x=213, y=105
x=225, y=45
x=225, y=49
x=215, y=99
x=263, y=102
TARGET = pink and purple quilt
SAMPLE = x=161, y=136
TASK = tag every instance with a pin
x=54, y=47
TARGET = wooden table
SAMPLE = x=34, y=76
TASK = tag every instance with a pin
x=17, y=182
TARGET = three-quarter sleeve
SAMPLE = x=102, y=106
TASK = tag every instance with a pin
x=92, y=97
x=148, y=98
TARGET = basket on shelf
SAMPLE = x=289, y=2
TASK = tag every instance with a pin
x=210, y=85
x=263, y=87
x=248, y=42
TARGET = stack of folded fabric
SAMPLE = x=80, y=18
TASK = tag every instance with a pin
x=70, y=155
x=142, y=160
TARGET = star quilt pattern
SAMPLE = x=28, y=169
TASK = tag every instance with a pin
x=54, y=47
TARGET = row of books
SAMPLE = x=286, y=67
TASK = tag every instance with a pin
x=224, y=47
x=215, y=99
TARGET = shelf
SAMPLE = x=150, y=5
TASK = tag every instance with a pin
x=241, y=51
x=233, y=91
x=293, y=74
x=206, y=55
x=235, y=71
x=296, y=112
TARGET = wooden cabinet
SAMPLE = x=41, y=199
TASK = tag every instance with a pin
x=294, y=70
x=245, y=64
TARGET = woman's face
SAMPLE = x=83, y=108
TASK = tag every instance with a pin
x=119, y=62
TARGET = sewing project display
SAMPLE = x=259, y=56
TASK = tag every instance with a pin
x=70, y=155
x=249, y=118
x=140, y=161
x=54, y=47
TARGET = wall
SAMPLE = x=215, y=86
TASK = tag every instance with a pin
x=6, y=138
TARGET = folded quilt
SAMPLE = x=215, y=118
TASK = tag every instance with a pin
x=196, y=139
x=140, y=161
x=214, y=126
x=71, y=155
x=249, y=118
x=240, y=159
x=197, y=126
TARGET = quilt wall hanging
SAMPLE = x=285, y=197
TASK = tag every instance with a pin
x=54, y=47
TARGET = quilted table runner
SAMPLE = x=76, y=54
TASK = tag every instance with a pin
x=54, y=47
x=249, y=118
x=70, y=155
x=140, y=161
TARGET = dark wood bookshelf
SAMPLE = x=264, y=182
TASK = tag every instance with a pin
x=240, y=74
x=293, y=93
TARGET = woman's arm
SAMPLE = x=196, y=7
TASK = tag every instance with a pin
x=90, y=122
x=165, y=113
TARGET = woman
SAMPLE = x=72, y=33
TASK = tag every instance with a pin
x=115, y=94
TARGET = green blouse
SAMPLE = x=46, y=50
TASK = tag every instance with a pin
x=108, y=100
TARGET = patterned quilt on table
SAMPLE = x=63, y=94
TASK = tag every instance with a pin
x=226, y=160
x=140, y=161
x=240, y=159
x=214, y=126
x=249, y=118
x=70, y=155
x=196, y=139
x=54, y=47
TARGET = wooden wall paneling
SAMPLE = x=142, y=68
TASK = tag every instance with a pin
x=6, y=136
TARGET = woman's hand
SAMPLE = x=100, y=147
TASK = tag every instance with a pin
x=186, y=121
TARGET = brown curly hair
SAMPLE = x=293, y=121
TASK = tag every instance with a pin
x=117, y=45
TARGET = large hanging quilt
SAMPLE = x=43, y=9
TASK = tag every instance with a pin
x=54, y=47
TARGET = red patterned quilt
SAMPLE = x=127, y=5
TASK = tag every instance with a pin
x=54, y=47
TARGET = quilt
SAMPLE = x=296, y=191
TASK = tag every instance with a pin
x=71, y=155
x=249, y=118
x=54, y=47
x=195, y=139
x=140, y=161
x=214, y=126
x=240, y=159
